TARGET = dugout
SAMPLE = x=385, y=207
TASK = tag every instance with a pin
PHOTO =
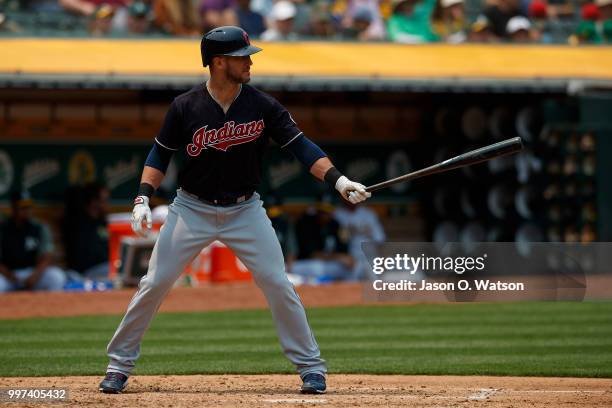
x=76, y=110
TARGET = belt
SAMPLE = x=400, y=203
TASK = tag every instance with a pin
x=225, y=200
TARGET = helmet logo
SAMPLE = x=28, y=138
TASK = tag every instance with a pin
x=246, y=37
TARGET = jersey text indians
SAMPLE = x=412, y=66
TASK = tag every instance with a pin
x=225, y=137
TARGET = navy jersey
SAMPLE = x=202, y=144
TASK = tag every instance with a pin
x=224, y=151
x=21, y=245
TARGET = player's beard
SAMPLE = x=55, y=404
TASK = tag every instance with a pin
x=236, y=78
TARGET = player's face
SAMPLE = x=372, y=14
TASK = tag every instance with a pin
x=238, y=69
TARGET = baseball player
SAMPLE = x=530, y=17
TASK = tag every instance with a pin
x=222, y=128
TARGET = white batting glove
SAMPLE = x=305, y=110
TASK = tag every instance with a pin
x=352, y=191
x=140, y=213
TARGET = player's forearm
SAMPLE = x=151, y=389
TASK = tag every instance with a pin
x=324, y=170
x=149, y=182
x=152, y=176
x=320, y=167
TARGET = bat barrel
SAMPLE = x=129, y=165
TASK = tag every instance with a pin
x=503, y=148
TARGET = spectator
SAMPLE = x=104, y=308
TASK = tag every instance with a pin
x=85, y=232
x=302, y=12
x=605, y=8
x=176, y=17
x=500, y=13
x=538, y=13
x=480, y=31
x=359, y=25
x=385, y=8
x=518, y=30
x=449, y=21
x=101, y=21
x=590, y=12
x=217, y=13
x=537, y=10
x=411, y=22
x=322, y=245
x=8, y=26
x=25, y=251
x=322, y=25
x=283, y=18
x=548, y=28
x=42, y=6
x=362, y=225
x=88, y=8
x=250, y=21
x=364, y=13
x=44, y=16
x=560, y=9
x=139, y=17
x=596, y=24
x=136, y=18
x=262, y=7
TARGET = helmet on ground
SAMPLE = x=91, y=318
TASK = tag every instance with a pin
x=229, y=40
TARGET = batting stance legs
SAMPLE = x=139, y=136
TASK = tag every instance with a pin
x=245, y=228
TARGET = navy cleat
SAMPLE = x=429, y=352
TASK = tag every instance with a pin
x=113, y=383
x=313, y=384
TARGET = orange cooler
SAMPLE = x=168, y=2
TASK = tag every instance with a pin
x=119, y=227
x=216, y=263
x=225, y=266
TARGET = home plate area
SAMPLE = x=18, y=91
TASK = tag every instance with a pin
x=344, y=391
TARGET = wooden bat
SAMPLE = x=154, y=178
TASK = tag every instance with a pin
x=503, y=148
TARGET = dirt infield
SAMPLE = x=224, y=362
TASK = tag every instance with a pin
x=345, y=391
x=19, y=305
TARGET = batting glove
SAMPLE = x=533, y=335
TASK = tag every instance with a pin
x=352, y=191
x=140, y=213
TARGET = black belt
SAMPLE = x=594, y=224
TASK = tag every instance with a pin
x=226, y=200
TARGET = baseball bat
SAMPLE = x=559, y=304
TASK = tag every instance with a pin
x=503, y=148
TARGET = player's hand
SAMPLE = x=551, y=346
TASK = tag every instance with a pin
x=140, y=213
x=352, y=191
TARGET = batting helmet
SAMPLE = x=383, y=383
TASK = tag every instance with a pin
x=229, y=40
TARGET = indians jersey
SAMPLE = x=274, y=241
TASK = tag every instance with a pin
x=224, y=151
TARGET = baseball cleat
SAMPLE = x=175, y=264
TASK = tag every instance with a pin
x=313, y=384
x=113, y=383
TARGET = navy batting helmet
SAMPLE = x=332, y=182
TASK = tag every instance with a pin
x=229, y=40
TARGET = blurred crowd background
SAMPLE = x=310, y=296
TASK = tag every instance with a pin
x=403, y=21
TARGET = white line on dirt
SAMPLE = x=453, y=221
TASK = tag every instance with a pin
x=295, y=401
x=482, y=394
x=552, y=391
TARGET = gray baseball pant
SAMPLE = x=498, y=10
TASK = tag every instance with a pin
x=245, y=228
